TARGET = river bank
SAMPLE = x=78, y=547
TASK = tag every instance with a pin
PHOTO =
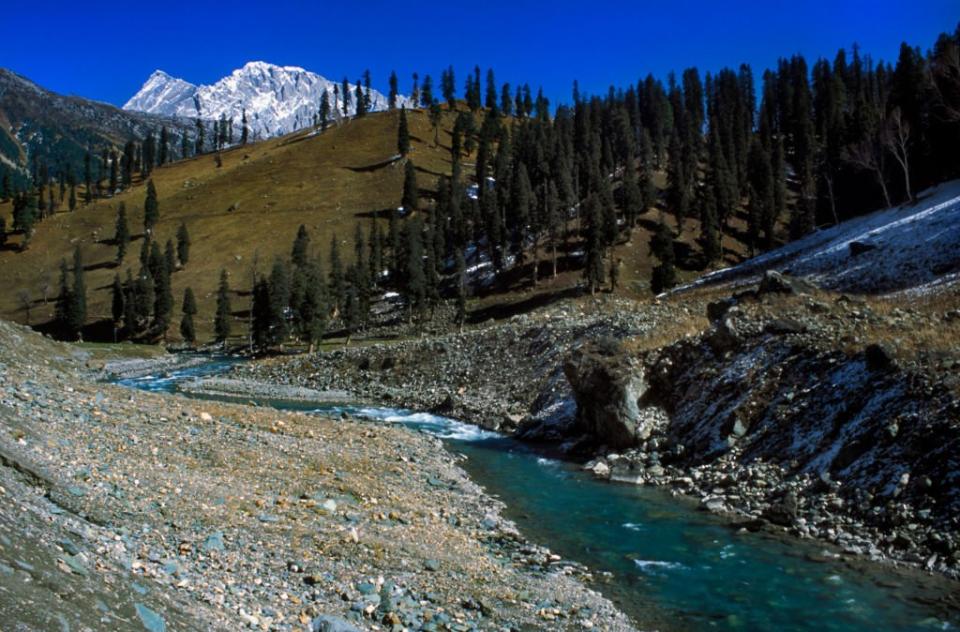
x=128, y=510
x=509, y=376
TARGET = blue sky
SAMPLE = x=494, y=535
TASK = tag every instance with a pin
x=106, y=50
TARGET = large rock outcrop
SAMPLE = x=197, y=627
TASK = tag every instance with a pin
x=608, y=386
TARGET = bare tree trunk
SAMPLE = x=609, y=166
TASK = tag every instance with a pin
x=883, y=187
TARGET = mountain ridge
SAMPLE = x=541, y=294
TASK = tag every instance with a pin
x=277, y=99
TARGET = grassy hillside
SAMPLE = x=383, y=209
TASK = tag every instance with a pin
x=247, y=211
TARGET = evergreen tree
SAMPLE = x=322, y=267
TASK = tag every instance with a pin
x=413, y=280
x=121, y=235
x=201, y=136
x=170, y=256
x=279, y=295
x=245, y=133
x=324, y=111
x=164, y=154
x=301, y=247
x=345, y=91
x=77, y=310
x=678, y=191
x=72, y=204
x=403, y=134
x=662, y=247
x=312, y=311
x=221, y=322
x=411, y=193
x=375, y=241
x=426, y=94
x=151, y=208
x=187, y=329
x=114, y=172
x=61, y=313
x=261, y=316
x=361, y=100
x=394, y=91
x=337, y=281
x=183, y=244
x=117, y=304
x=593, y=270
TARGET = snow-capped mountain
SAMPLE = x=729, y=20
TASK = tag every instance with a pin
x=278, y=99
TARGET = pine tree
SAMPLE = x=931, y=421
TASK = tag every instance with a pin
x=183, y=244
x=678, y=192
x=117, y=304
x=201, y=136
x=301, y=247
x=72, y=204
x=361, y=100
x=324, y=111
x=593, y=270
x=114, y=172
x=394, y=91
x=375, y=242
x=221, y=322
x=164, y=155
x=77, y=310
x=151, y=208
x=411, y=193
x=61, y=313
x=121, y=235
x=312, y=311
x=662, y=247
x=170, y=256
x=337, y=282
x=345, y=92
x=245, y=133
x=403, y=134
x=187, y=329
x=279, y=294
x=163, y=292
x=460, y=278
x=413, y=281
x=260, y=311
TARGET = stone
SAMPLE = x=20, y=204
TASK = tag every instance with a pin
x=214, y=542
x=857, y=248
x=607, y=386
x=774, y=282
x=879, y=357
x=330, y=623
x=150, y=619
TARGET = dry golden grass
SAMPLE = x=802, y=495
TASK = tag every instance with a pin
x=273, y=187
x=247, y=212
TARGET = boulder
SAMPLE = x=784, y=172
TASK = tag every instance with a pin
x=329, y=623
x=607, y=386
x=774, y=282
x=859, y=247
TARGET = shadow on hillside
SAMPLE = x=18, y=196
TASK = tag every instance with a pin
x=499, y=311
x=103, y=265
x=98, y=331
x=375, y=166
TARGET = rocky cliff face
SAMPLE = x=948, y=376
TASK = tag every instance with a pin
x=767, y=417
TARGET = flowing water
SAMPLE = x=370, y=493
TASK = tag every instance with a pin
x=673, y=567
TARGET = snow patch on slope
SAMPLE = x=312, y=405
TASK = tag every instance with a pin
x=899, y=248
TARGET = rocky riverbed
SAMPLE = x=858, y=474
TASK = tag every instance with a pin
x=714, y=413
x=129, y=510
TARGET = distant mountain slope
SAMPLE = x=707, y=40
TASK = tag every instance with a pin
x=58, y=130
x=901, y=248
x=278, y=99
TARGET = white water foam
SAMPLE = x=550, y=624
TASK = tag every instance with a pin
x=651, y=565
x=632, y=526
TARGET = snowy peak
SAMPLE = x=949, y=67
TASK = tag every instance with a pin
x=277, y=99
x=160, y=89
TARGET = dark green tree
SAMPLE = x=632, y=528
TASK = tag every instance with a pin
x=189, y=309
x=121, y=235
x=222, y=319
x=183, y=244
x=301, y=247
x=77, y=311
x=151, y=208
x=394, y=91
x=403, y=134
x=410, y=200
x=664, y=274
